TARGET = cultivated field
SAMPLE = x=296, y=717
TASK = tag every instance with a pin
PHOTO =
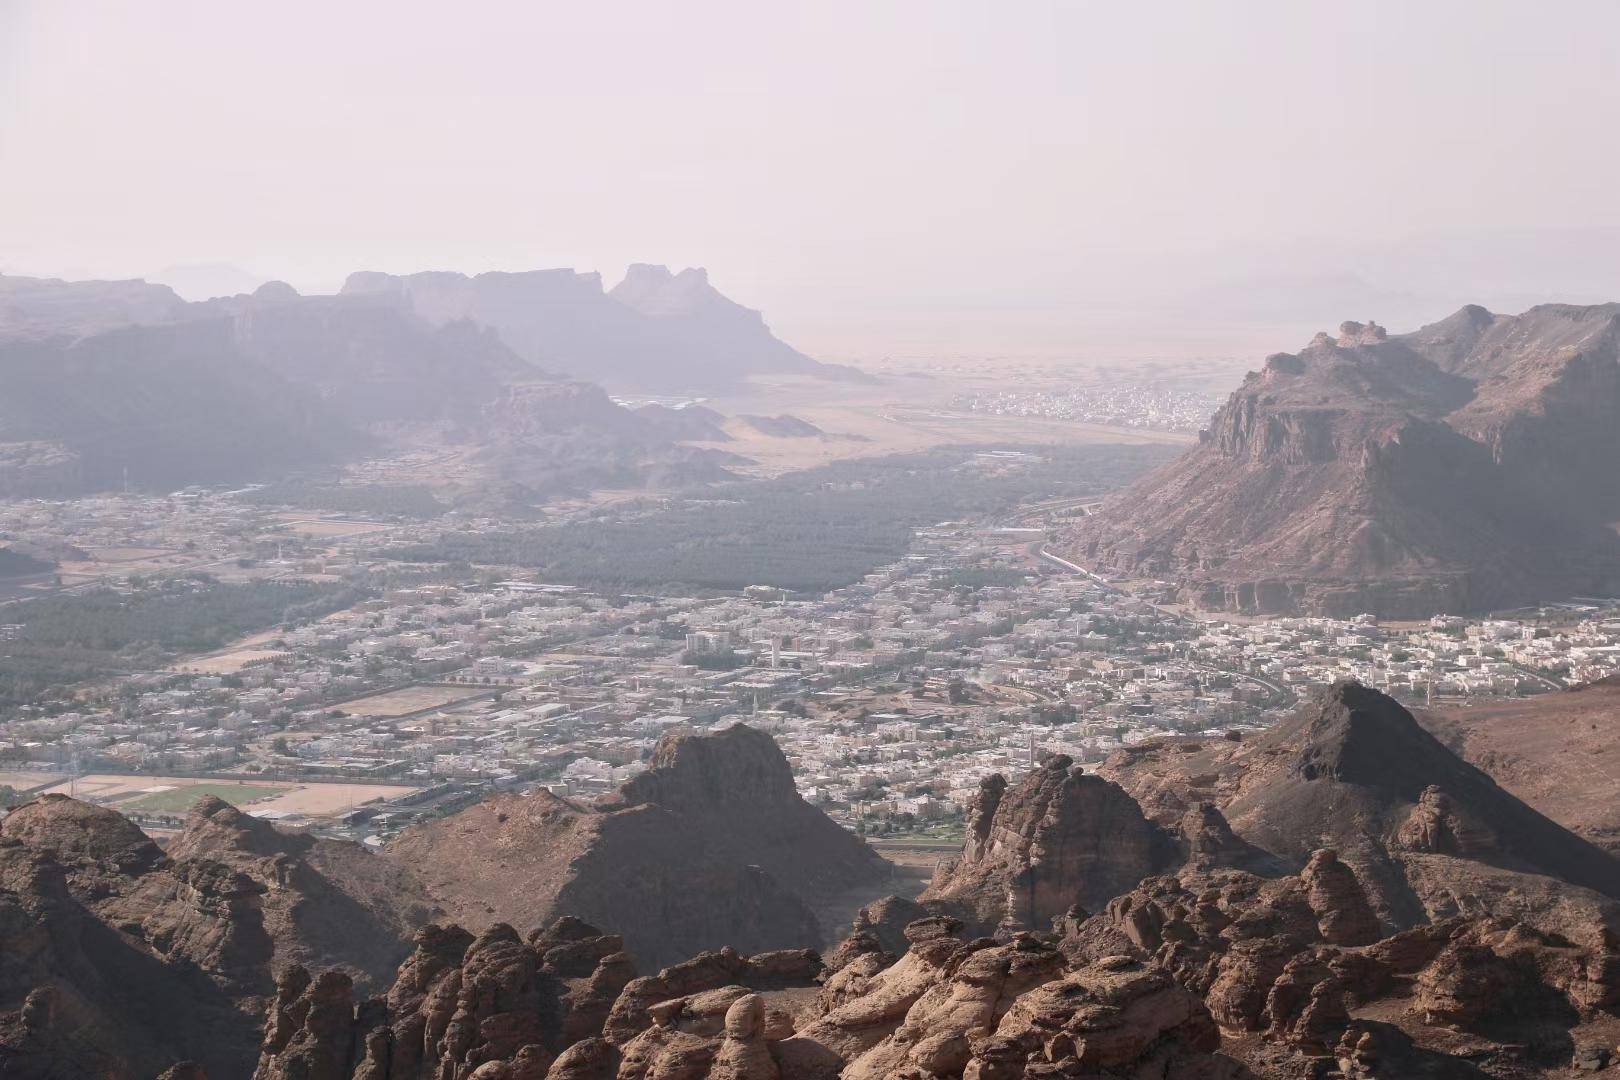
x=23, y=779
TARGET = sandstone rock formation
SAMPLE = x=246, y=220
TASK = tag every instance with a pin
x=1059, y=838
x=1464, y=466
x=948, y=1008
x=711, y=846
x=1339, y=898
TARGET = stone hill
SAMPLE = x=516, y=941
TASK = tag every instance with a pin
x=1428, y=833
x=1211, y=975
x=120, y=958
x=1061, y=837
x=1464, y=466
x=711, y=846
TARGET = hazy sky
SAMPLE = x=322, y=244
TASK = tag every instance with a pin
x=874, y=175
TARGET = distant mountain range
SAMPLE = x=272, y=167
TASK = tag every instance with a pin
x=654, y=331
x=1472, y=464
x=122, y=382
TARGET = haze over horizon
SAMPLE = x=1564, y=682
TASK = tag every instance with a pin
x=900, y=178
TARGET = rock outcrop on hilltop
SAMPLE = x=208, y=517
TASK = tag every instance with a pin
x=1061, y=837
x=1468, y=465
x=711, y=846
x=120, y=959
x=1273, y=963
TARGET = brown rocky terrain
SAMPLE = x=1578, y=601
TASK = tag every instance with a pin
x=325, y=903
x=1429, y=835
x=120, y=959
x=1558, y=752
x=1211, y=975
x=1062, y=837
x=1339, y=898
x=711, y=846
x=1465, y=466
x=502, y=1008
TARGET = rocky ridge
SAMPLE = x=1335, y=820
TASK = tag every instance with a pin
x=122, y=958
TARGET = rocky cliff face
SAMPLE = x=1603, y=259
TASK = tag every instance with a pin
x=710, y=846
x=1454, y=468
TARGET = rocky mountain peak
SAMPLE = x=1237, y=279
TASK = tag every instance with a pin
x=1355, y=734
x=739, y=765
x=711, y=845
x=214, y=827
x=275, y=292
x=653, y=290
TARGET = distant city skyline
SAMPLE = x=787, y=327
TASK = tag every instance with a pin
x=894, y=178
